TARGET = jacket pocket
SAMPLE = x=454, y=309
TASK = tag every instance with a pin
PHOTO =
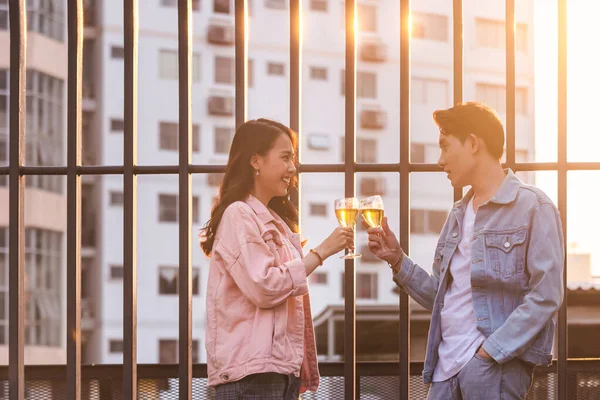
x=506, y=251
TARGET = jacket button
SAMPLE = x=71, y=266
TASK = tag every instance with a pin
x=454, y=234
x=507, y=245
x=225, y=377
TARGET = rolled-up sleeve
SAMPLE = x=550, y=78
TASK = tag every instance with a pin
x=260, y=275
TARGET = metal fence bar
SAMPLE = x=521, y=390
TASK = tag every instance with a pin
x=16, y=229
x=312, y=168
x=241, y=62
x=130, y=25
x=349, y=191
x=295, y=88
x=562, y=191
x=404, y=302
x=74, y=84
x=457, y=18
x=510, y=82
x=185, y=223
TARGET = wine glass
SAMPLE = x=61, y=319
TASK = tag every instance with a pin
x=346, y=211
x=371, y=209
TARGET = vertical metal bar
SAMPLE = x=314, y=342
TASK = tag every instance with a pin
x=295, y=79
x=16, y=275
x=185, y=128
x=457, y=16
x=295, y=61
x=562, y=190
x=241, y=61
x=349, y=179
x=510, y=83
x=130, y=25
x=404, y=304
x=75, y=47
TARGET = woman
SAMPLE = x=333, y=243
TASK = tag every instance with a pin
x=260, y=340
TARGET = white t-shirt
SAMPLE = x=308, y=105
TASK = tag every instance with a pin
x=460, y=337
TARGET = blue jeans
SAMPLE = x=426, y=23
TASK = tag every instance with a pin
x=267, y=386
x=486, y=380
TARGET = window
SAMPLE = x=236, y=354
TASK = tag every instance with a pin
x=372, y=186
x=45, y=127
x=168, y=351
x=224, y=70
x=318, y=73
x=222, y=6
x=42, y=309
x=318, y=278
x=168, y=207
x=168, y=280
x=116, y=272
x=367, y=255
x=173, y=4
x=117, y=125
x=492, y=34
x=115, y=346
x=431, y=92
x=3, y=121
x=429, y=26
x=44, y=17
x=250, y=73
x=495, y=97
x=117, y=52
x=3, y=285
x=276, y=69
x=417, y=152
x=366, y=150
x=366, y=285
x=116, y=198
x=169, y=65
x=169, y=136
x=366, y=84
x=223, y=138
x=318, y=5
x=427, y=221
x=367, y=18
x=318, y=142
x=318, y=209
x=3, y=26
x=276, y=4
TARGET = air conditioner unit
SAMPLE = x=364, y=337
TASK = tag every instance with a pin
x=373, y=119
x=221, y=34
x=373, y=51
x=220, y=105
x=372, y=186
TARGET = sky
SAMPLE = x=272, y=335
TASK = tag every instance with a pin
x=583, y=130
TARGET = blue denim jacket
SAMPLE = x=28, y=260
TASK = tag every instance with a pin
x=516, y=274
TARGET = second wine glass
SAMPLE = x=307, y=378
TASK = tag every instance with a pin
x=371, y=209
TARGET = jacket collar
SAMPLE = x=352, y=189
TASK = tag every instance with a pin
x=263, y=212
x=506, y=194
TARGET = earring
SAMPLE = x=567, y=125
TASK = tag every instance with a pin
x=257, y=172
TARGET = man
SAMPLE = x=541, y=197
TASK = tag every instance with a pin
x=496, y=284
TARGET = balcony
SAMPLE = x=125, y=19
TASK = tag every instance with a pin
x=375, y=380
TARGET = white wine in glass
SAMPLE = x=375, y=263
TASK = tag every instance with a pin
x=346, y=211
x=371, y=209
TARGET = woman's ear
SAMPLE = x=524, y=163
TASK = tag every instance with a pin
x=254, y=162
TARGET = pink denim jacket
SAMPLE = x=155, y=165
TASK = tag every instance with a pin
x=257, y=304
